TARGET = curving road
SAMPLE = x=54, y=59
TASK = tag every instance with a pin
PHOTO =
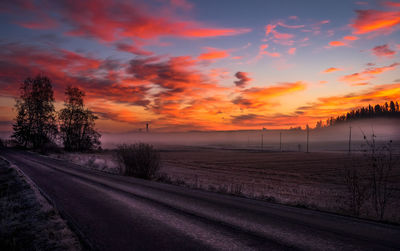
x=123, y=213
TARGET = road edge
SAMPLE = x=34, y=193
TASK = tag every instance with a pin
x=85, y=242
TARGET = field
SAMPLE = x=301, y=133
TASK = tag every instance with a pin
x=313, y=180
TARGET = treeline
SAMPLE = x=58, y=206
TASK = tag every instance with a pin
x=38, y=126
x=388, y=110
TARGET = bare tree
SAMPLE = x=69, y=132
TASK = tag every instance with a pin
x=77, y=123
x=381, y=163
x=35, y=124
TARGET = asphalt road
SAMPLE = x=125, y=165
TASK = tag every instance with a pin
x=123, y=213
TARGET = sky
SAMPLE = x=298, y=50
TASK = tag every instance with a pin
x=183, y=65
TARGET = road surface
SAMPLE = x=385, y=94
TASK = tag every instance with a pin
x=123, y=213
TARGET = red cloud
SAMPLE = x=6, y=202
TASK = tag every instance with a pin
x=292, y=51
x=374, y=20
x=133, y=49
x=392, y=4
x=332, y=69
x=99, y=78
x=383, y=51
x=243, y=79
x=214, y=54
x=112, y=20
x=269, y=28
x=263, y=51
x=283, y=36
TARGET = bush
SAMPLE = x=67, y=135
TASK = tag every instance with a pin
x=139, y=160
x=49, y=147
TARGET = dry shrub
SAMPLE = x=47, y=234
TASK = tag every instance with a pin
x=139, y=160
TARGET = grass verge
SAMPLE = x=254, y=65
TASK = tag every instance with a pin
x=27, y=220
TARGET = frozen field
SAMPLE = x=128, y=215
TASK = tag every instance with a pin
x=313, y=180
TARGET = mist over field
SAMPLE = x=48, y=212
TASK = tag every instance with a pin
x=334, y=138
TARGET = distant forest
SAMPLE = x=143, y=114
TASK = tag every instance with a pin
x=388, y=110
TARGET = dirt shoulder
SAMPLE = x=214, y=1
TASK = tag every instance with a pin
x=27, y=220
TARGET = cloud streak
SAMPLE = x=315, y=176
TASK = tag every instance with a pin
x=360, y=78
x=383, y=51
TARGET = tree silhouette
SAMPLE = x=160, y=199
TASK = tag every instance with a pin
x=390, y=110
x=35, y=124
x=77, y=123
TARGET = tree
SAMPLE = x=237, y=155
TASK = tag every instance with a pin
x=77, y=123
x=318, y=124
x=35, y=124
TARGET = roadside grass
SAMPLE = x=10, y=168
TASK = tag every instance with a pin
x=27, y=221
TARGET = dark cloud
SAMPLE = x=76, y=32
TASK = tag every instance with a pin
x=243, y=79
x=242, y=101
x=383, y=51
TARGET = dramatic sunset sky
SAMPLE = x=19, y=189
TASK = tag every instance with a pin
x=204, y=65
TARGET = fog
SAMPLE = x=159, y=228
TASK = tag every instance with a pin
x=334, y=138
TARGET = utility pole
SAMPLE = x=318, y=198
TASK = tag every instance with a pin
x=147, y=127
x=308, y=134
x=262, y=141
x=350, y=141
x=280, y=141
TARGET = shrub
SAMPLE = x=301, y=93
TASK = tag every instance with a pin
x=139, y=160
x=49, y=147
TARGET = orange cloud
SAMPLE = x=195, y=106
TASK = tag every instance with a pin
x=214, y=54
x=375, y=21
x=368, y=74
x=351, y=38
x=257, y=97
x=332, y=106
x=383, y=51
x=359, y=84
x=332, y=69
x=379, y=70
x=336, y=43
